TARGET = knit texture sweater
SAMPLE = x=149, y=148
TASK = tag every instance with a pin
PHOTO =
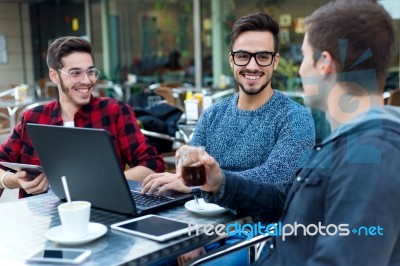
x=267, y=144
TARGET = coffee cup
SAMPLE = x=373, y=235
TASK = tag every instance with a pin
x=193, y=170
x=75, y=218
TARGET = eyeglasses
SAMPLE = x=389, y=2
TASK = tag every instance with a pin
x=77, y=75
x=242, y=58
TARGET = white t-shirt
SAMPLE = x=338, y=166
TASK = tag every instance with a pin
x=69, y=124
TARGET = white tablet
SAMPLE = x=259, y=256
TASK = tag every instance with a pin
x=30, y=168
x=154, y=227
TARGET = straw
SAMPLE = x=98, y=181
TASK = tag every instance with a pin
x=64, y=181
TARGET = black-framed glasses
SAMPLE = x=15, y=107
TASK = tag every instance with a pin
x=77, y=75
x=242, y=58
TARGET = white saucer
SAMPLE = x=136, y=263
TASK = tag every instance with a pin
x=204, y=208
x=56, y=234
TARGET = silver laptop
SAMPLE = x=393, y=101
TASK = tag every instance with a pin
x=87, y=158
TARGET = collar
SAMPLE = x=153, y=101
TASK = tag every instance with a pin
x=369, y=120
x=84, y=111
x=275, y=96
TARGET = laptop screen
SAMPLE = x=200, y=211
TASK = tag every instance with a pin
x=87, y=158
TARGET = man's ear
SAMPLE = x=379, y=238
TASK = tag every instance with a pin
x=54, y=76
x=231, y=60
x=276, y=61
x=327, y=66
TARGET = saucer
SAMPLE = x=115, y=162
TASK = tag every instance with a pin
x=56, y=234
x=204, y=208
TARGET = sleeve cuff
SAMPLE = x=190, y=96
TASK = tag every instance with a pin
x=229, y=183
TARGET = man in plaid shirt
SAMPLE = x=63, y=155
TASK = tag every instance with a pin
x=71, y=67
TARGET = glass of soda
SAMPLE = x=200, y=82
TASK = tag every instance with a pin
x=193, y=170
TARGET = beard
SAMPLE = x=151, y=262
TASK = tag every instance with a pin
x=63, y=87
x=67, y=94
x=257, y=91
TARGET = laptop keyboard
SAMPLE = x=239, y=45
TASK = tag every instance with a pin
x=147, y=200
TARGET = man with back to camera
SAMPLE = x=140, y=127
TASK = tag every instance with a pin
x=258, y=133
x=348, y=193
x=71, y=67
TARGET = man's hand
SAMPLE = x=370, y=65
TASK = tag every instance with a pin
x=34, y=186
x=163, y=181
x=213, y=171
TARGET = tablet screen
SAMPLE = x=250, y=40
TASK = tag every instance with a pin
x=154, y=225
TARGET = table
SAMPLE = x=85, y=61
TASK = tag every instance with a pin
x=23, y=224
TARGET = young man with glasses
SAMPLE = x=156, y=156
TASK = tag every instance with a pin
x=258, y=133
x=71, y=67
x=343, y=207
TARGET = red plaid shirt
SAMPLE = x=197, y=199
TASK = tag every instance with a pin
x=115, y=116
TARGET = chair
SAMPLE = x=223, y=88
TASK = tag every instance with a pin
x=165, y=145
x=45, y=88
x=166, y=93
x=5, y=127
x=218, y=96
x=8, y=94
x=253, y=246
x=162, y=142
x=393, y=97
x=186, y=132
x=4, y=123
x=50, y=90
x=109, y=90
x=167, y=90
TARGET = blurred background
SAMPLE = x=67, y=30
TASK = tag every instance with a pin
x=150, y=52
x=140, y=37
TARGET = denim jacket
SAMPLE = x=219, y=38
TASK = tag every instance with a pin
x=346, y=199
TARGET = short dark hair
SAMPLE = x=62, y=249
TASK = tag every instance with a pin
x=64, y=46
x=364, y=25
x=256, y=22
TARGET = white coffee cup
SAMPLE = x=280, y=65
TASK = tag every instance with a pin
x=75, y=218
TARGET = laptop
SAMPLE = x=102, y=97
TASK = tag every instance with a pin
x=87, y=158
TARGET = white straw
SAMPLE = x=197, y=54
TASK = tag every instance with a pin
x=64, y=181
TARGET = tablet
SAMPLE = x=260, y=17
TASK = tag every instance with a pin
x=30, y=168
x=153, y=227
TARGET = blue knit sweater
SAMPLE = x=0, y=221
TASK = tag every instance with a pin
x=267, y=144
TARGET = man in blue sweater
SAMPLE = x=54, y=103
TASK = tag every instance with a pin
x=259, y=133
x=343, y=207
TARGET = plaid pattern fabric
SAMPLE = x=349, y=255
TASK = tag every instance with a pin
x=115, y=116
